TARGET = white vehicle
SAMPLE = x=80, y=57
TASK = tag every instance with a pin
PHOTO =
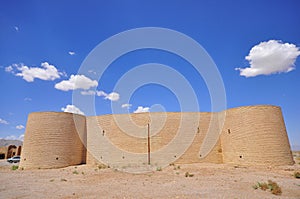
x=14, y=159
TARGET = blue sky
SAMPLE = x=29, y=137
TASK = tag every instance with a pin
x=42, y=44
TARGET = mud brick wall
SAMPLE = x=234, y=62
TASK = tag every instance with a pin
x=249, y=135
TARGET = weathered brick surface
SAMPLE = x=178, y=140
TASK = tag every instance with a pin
x=249, y=135
x=257, y=136
x=52, y=140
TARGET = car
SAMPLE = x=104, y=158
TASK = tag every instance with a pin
x=14, y=159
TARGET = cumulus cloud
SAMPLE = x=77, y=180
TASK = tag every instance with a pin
x=101, y=93
x=9, y=69
x=113, y=96
x=76, y=82
x=126, y=106
x=45, y=72
x=91, y=92
x=72, y=53
x=72, y=109
x=269, y=58
x=88, y=92
x=142, y=109
x=20, y=127
x=2, y=121
x=13, y=137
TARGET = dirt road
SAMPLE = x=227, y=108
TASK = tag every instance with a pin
x=205, y=181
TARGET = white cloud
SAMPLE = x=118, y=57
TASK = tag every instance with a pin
x=21, y=137
x=270, y=57
x=28, y=99
x=10, y=137
x=126, y=106
x=20, y=127
x=45, y=72
x=141, y=109
x=16, y=28
x=88, y=92
x=2, y=121
x=72, y=109
x=113, y=96
x=72, y=53
x=76, y=82
x=9, y=69
x=93, y=72
x=13, y=137
x=91, y=92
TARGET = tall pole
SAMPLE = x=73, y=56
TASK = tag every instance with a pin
x=148, y=143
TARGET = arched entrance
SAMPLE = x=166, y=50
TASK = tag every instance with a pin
x=12, y=151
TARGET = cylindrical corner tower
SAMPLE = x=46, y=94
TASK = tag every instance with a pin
x=255, y=135
x=53, y=140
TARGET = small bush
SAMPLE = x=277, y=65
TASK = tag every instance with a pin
x=274, y=187
x=158, y=169
x=14, y=167
x=75, y=172
x=263, y=186
x=271, y=185
x=297, y=174
x=102, y=166
x=63, y=180
x=187, y=174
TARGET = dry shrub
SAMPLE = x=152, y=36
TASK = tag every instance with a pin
x=271, y=185
x=274, y=187
x=187, y=174
x=297, y=174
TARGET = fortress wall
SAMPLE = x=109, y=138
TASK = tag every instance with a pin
x=192, y=154
x=251, y=135
x=19, y=149
x=3, y=152
x=52, y=140
x=255, y=135
x=128, y=133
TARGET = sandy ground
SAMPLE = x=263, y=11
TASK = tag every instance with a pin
x=208, y=181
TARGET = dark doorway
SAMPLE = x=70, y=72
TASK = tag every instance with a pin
x=11, y=151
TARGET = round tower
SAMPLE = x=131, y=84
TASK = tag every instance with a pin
x=255, y=135
x=53, y=140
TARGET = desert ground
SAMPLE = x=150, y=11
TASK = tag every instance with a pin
x=204, y=181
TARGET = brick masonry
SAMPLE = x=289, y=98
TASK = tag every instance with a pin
x=250, y=135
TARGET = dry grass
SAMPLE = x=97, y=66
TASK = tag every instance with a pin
x=187, y=174
x=75, y=172
x=14, y=167
x=271, y=185
x=297, y=174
